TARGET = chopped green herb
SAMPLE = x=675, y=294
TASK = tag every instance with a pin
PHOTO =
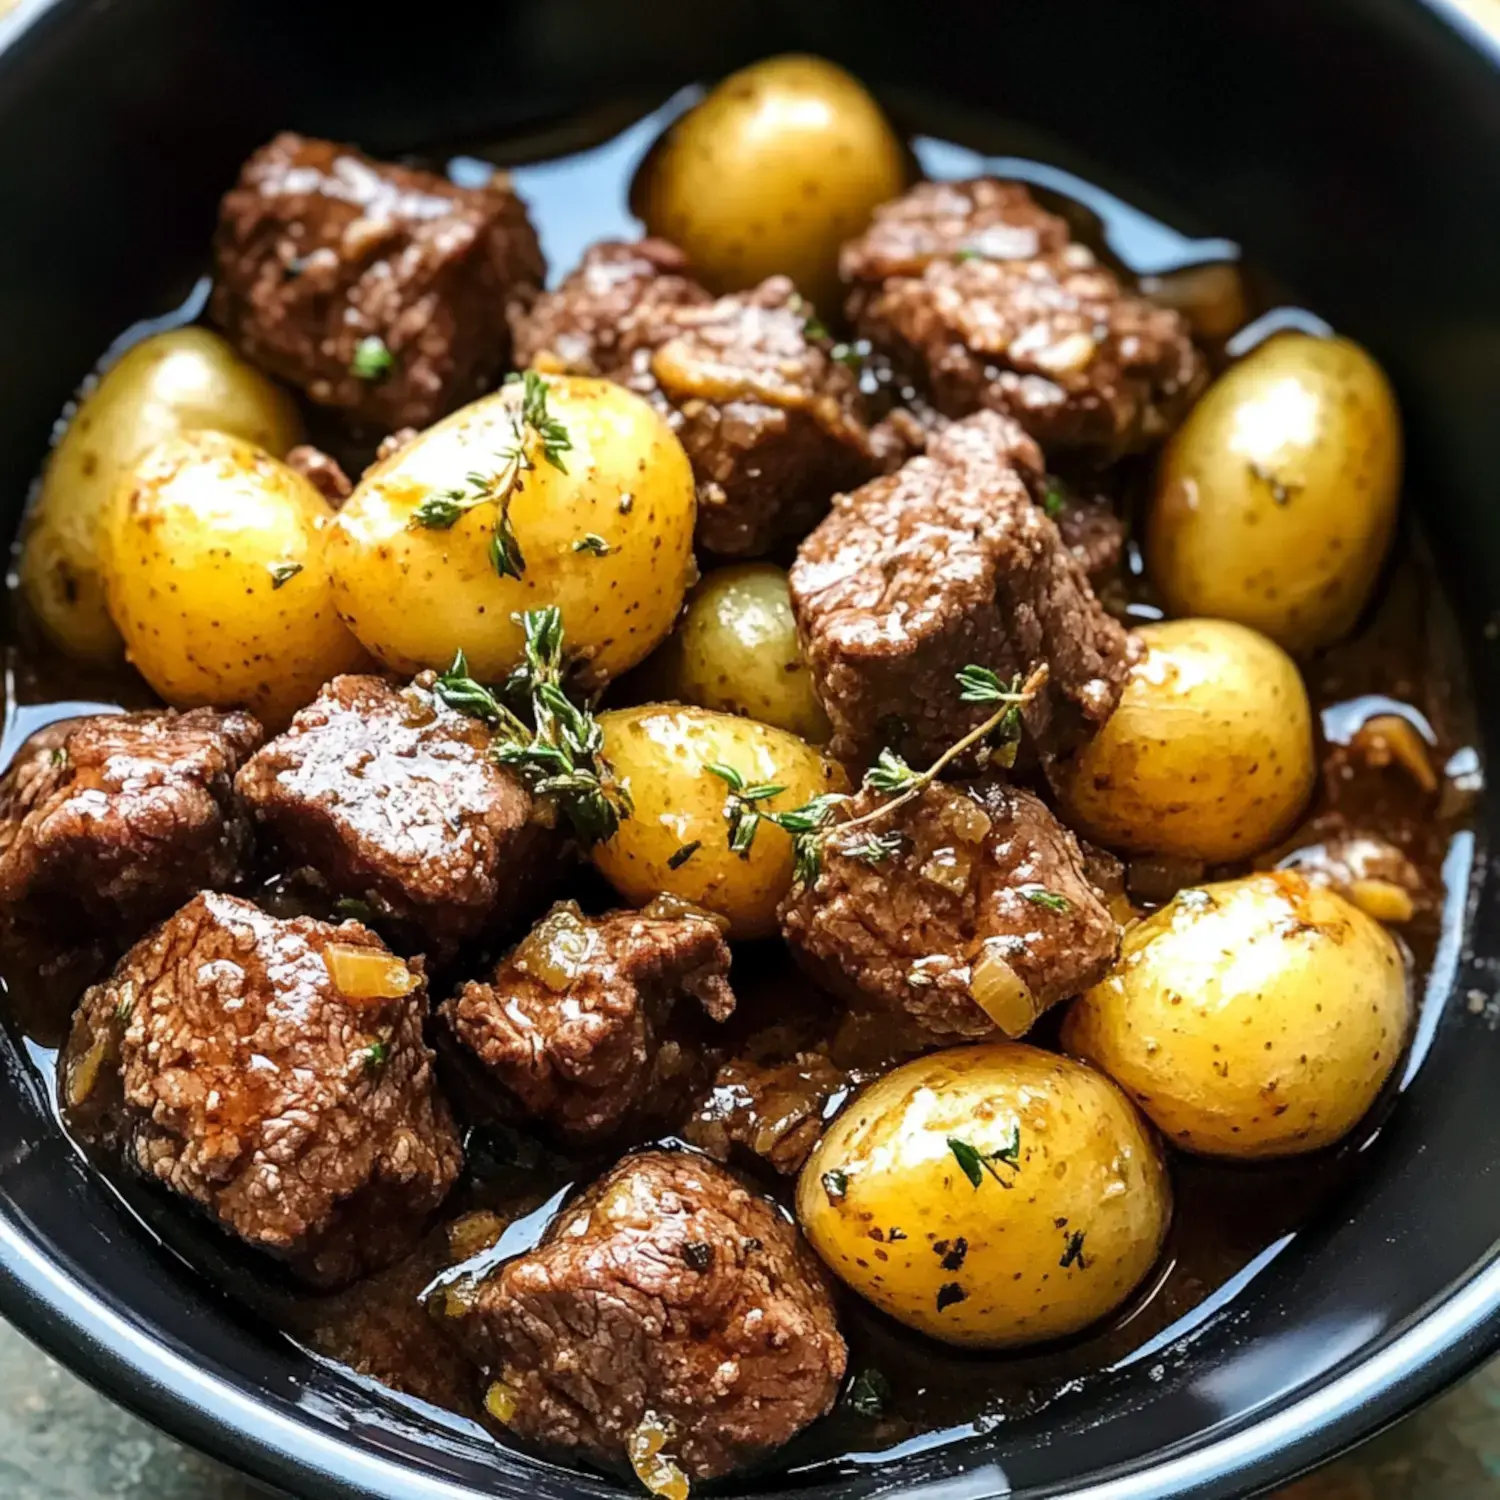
x=975, y=1164
x=812, y=325
x=372, y=360
x=59, y=756
x=374, y=1055
x=874, y=848
x=968, y=253
x=868, y=1393
x=124, y=1008
x=1039, y=895
x=890, y=774
x=591, y=541
x=350, y=908
x=980, y=685
x=284, y=572
x=836, y=1185
x=1073, y=1252
x=684, y=854
x=739, y=807
x=1010, y=1153
x=1054, y=502
x=849, y=355
x=460, y=692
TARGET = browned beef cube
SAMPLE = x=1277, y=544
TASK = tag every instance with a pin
x=772, y=422
x=273, y=1072
x=380, y=289
x=945, y=563
x=126, y=815
x=571, y=1020
x=773, y=1110
x=985, y=918
x=395, y=799
x=979, y=298
x=670, y=1303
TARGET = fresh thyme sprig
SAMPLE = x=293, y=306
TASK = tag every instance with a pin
x=560, y=754
x=740, y=810
x=813, y=825
x=532, y=425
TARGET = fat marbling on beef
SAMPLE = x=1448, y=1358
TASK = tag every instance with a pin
x=668, y=1300
x=379, y=289
x=225, y=1060
x=126, y=815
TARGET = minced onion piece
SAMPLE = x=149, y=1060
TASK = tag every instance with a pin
x=1382, y=899
x=1388, y=737
x=1002, y=994
x=361, y=973
x=659, y=1473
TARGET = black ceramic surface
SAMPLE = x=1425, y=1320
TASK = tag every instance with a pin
x=1353, y=146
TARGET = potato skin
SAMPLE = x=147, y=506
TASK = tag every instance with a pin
x=1257, y=1017
x=660, y=754
x=180, y=381
x=1276, y=500
x=192, y=535
x=737, y=651
x=1209, y=754
x=770, y=174
x=1087, y=1165
x=414, y=597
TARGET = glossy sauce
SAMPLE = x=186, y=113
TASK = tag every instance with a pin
x=1231, y=1222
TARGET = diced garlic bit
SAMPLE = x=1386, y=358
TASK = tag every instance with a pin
x=1388, y=737
x=360, y=973
x=1382, y=899
x=1002, y=994
x=654, y=1468
x=500, y=1402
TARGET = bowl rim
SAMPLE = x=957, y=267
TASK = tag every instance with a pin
x=294, y=1452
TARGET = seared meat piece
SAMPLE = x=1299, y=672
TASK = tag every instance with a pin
x=376, y=288
x=394, y=799
x=772, y=423
x=295, y=1107
x=571, y=1020
x=944, y=563
x=979, y=298
x=322, y=471
x=1091, y=530
x=773, y=1110
x=126, y=815
x=668, y=1300
x=984, y=919
x=617, y=304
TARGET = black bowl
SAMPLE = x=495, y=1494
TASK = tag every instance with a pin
x=1353, y=146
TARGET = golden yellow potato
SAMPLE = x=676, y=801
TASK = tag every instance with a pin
x=1209, y=755
x=216, y=576
x=1254, y=1017
x=173, y=382
x=677, y=838
x=608, y=539
x=1276, y=500
x=991, y=1195
x=737, y=650
x=770, y=174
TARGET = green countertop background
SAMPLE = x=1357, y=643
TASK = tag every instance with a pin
x=61, y=1441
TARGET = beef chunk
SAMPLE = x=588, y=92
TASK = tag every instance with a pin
x=394, y=799
x=1091, y=529
x=988, y=884
x=668, y=1299
x=126, y=815
x=772, y=422
x=948, y=562
x=981, y=299
x=299, y=1114
x=322, y=471
x=772, y=1110
x=571, y=1020
x=376, y=288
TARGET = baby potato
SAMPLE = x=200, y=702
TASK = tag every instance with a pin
x=991, y=1195
x=606, y=534
x=771, y=173
x=1208, y=756
x=215, y=573
x=677, y=838
x=1252, y=1018
x=173, y=382
x=738, y=651
x=1276, y=500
